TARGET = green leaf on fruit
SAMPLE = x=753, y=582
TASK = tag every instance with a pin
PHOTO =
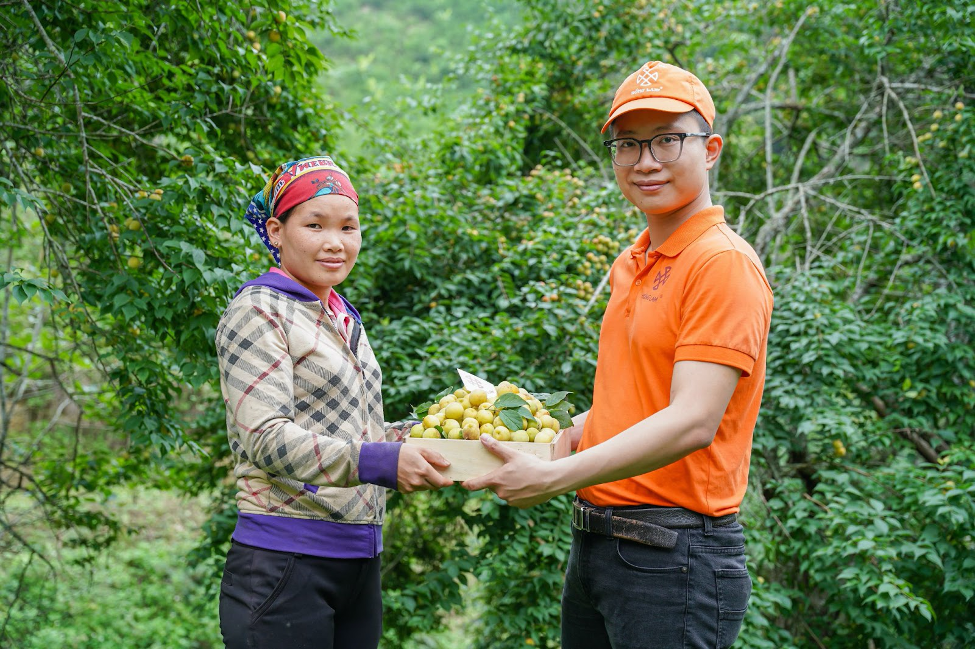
x=563, y=418
x=562, y=405
x=511, y=419
x=524, y=411
x=419, y=412
x=509, y=400
x=449, y=389
x=555, y=398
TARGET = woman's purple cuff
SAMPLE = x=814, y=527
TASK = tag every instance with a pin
x=378, y=463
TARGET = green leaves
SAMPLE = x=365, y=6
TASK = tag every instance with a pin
x=23, y=289
x=122, y=212
x=553, y=400
x=509, y=401
x=513, y=409
x=485, y=239
x=512, y=418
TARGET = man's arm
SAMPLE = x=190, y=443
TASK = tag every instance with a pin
x=699, y=396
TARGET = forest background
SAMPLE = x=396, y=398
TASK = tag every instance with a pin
x=133, y=133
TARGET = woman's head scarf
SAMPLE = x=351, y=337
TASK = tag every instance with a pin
x=294, y=183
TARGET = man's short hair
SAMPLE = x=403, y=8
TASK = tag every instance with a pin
x=703, y=125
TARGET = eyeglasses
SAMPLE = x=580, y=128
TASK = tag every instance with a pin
x=664, y=147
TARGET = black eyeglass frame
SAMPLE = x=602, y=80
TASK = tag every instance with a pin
x=648, y=141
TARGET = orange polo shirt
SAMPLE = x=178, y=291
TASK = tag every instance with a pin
x=701, y=296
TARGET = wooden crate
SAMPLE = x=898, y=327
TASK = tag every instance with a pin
x=470, y=458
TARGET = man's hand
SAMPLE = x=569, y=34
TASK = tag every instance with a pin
x=417, y=469
x=521, y=481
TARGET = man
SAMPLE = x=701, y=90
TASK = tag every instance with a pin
x=657, y=558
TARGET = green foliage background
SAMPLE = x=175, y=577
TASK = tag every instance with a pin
x=489, y=223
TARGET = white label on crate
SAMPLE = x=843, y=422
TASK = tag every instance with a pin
x=471, y=382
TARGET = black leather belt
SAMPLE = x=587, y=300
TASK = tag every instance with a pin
x=651, y=526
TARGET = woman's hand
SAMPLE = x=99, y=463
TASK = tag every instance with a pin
x=417, y=469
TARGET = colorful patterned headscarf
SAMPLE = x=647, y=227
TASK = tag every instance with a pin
x=293, y=183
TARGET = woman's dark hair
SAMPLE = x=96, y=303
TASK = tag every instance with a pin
x=283, y=217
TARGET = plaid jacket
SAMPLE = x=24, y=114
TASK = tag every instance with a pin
x=304, y=411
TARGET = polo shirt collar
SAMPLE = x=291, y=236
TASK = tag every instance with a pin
x=687, y=233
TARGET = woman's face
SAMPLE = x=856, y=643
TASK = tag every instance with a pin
x=319, y=242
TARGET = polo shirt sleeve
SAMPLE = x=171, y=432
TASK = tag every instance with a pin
x=725, y=313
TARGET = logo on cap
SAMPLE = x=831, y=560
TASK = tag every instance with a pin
x=645, y=77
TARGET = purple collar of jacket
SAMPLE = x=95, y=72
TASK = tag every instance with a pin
x=289, y=287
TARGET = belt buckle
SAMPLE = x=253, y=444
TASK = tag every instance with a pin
x=581, y=518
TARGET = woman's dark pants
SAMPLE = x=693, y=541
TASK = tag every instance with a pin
x=273, y=599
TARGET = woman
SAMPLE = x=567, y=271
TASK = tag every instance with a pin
x=312, y=452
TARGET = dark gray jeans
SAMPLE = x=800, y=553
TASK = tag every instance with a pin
x=621, y=594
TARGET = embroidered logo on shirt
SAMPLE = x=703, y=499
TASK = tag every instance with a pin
x=661, y=278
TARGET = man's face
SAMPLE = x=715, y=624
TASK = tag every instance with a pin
x=667, y=190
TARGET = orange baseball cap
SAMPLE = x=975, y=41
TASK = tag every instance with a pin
x=662, y=87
